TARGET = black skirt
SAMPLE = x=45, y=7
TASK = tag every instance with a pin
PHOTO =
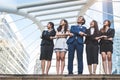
x=92, y=54
x=106, y=46
x=46, y=52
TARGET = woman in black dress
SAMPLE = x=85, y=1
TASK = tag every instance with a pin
x=106, y=46
x=47, y=47
x=92, y=46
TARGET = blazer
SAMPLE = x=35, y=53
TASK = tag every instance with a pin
x=90, y=39
x=46, y=37
x=76, y=29
x=110, y=34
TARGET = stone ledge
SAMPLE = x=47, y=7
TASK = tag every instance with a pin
x=58, y=77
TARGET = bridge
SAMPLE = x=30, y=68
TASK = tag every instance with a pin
x=31, y=17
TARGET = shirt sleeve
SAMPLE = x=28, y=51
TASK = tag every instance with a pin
x=46, y=35
x=112, y=33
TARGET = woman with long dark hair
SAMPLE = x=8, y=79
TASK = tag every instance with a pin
x=106, y=46
x=47, y=46
x=92, y=46
x=61, y=46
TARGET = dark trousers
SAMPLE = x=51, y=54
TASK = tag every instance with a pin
x=71, y=51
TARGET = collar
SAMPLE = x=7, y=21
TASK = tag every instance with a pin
x=80, y=25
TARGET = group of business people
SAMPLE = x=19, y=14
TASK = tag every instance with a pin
x=73, y=40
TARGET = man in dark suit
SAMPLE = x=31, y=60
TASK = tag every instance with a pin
x=75, y=42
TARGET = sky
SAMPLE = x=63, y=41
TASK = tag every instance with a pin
x=17, y=2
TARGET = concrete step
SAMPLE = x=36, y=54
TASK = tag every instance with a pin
x=58, y=77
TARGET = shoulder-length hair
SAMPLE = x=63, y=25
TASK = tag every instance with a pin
x=52, y=25
x=96, y=31
x=104, y=27
x=65, y=28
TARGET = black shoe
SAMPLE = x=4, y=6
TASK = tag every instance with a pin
x=70, y=73
x=79, y=73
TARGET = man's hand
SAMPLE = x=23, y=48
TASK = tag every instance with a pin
x=82, y=34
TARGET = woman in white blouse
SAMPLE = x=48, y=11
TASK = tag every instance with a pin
x=92, y=46
x=61, y=46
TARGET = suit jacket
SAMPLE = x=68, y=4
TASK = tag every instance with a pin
x=76, y=29
x=90, y=39
x=46, y=37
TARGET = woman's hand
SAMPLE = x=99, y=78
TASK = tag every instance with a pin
x=104, y=36
x=53, y=37
x=110, y=39
x=97, y=38
x=70, y=34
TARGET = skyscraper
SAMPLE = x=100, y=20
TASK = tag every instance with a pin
x=13, y=57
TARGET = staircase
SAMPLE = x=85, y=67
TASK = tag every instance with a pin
x=59, y=77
